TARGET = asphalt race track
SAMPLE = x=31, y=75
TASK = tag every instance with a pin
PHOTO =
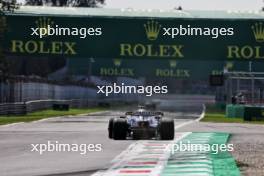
x=16, y=157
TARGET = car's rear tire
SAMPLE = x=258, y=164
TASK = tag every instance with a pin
x=119, y=129
x=166, y=129
x=110, y=128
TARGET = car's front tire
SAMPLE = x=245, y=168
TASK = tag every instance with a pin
x=166, y=129
x=119, y=129
x=110, y=128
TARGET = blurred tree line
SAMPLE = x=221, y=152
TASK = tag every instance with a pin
x=70, y=3
x=4, y=66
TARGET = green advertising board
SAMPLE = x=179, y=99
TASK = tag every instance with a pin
x=187, y=69
x=138, y=38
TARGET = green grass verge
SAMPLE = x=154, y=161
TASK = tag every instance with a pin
x=220, y=117
x=217, y=115
x=45, y=114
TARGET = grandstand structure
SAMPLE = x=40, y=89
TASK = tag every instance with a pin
x=132, y=45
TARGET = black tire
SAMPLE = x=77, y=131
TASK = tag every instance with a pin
x=119, y=129
x=110, y=128
x=166, y=129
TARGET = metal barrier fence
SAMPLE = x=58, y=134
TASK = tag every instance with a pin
x=31, y=106
x=23, y=95
x=13, y=109
x=25, y=91
x=245, y=87
x=20, y=91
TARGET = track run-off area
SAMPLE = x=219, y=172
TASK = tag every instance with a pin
x=155, y=158
x=159, y=158
x=121, y=158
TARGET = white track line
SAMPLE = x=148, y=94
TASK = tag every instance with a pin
x=58, y=117
x=191, y=121
x=47, y=119
x=11, y=124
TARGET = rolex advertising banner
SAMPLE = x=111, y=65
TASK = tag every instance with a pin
x=136, y=38
x=157, y=68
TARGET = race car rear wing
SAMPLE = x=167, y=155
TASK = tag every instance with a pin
x=146, y=113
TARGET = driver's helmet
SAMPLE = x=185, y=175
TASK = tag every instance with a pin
x=141, y=109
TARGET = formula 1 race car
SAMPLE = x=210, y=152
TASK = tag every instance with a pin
x=141, y=124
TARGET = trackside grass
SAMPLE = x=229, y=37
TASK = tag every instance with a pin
x=45, y=114
x=214, y=114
